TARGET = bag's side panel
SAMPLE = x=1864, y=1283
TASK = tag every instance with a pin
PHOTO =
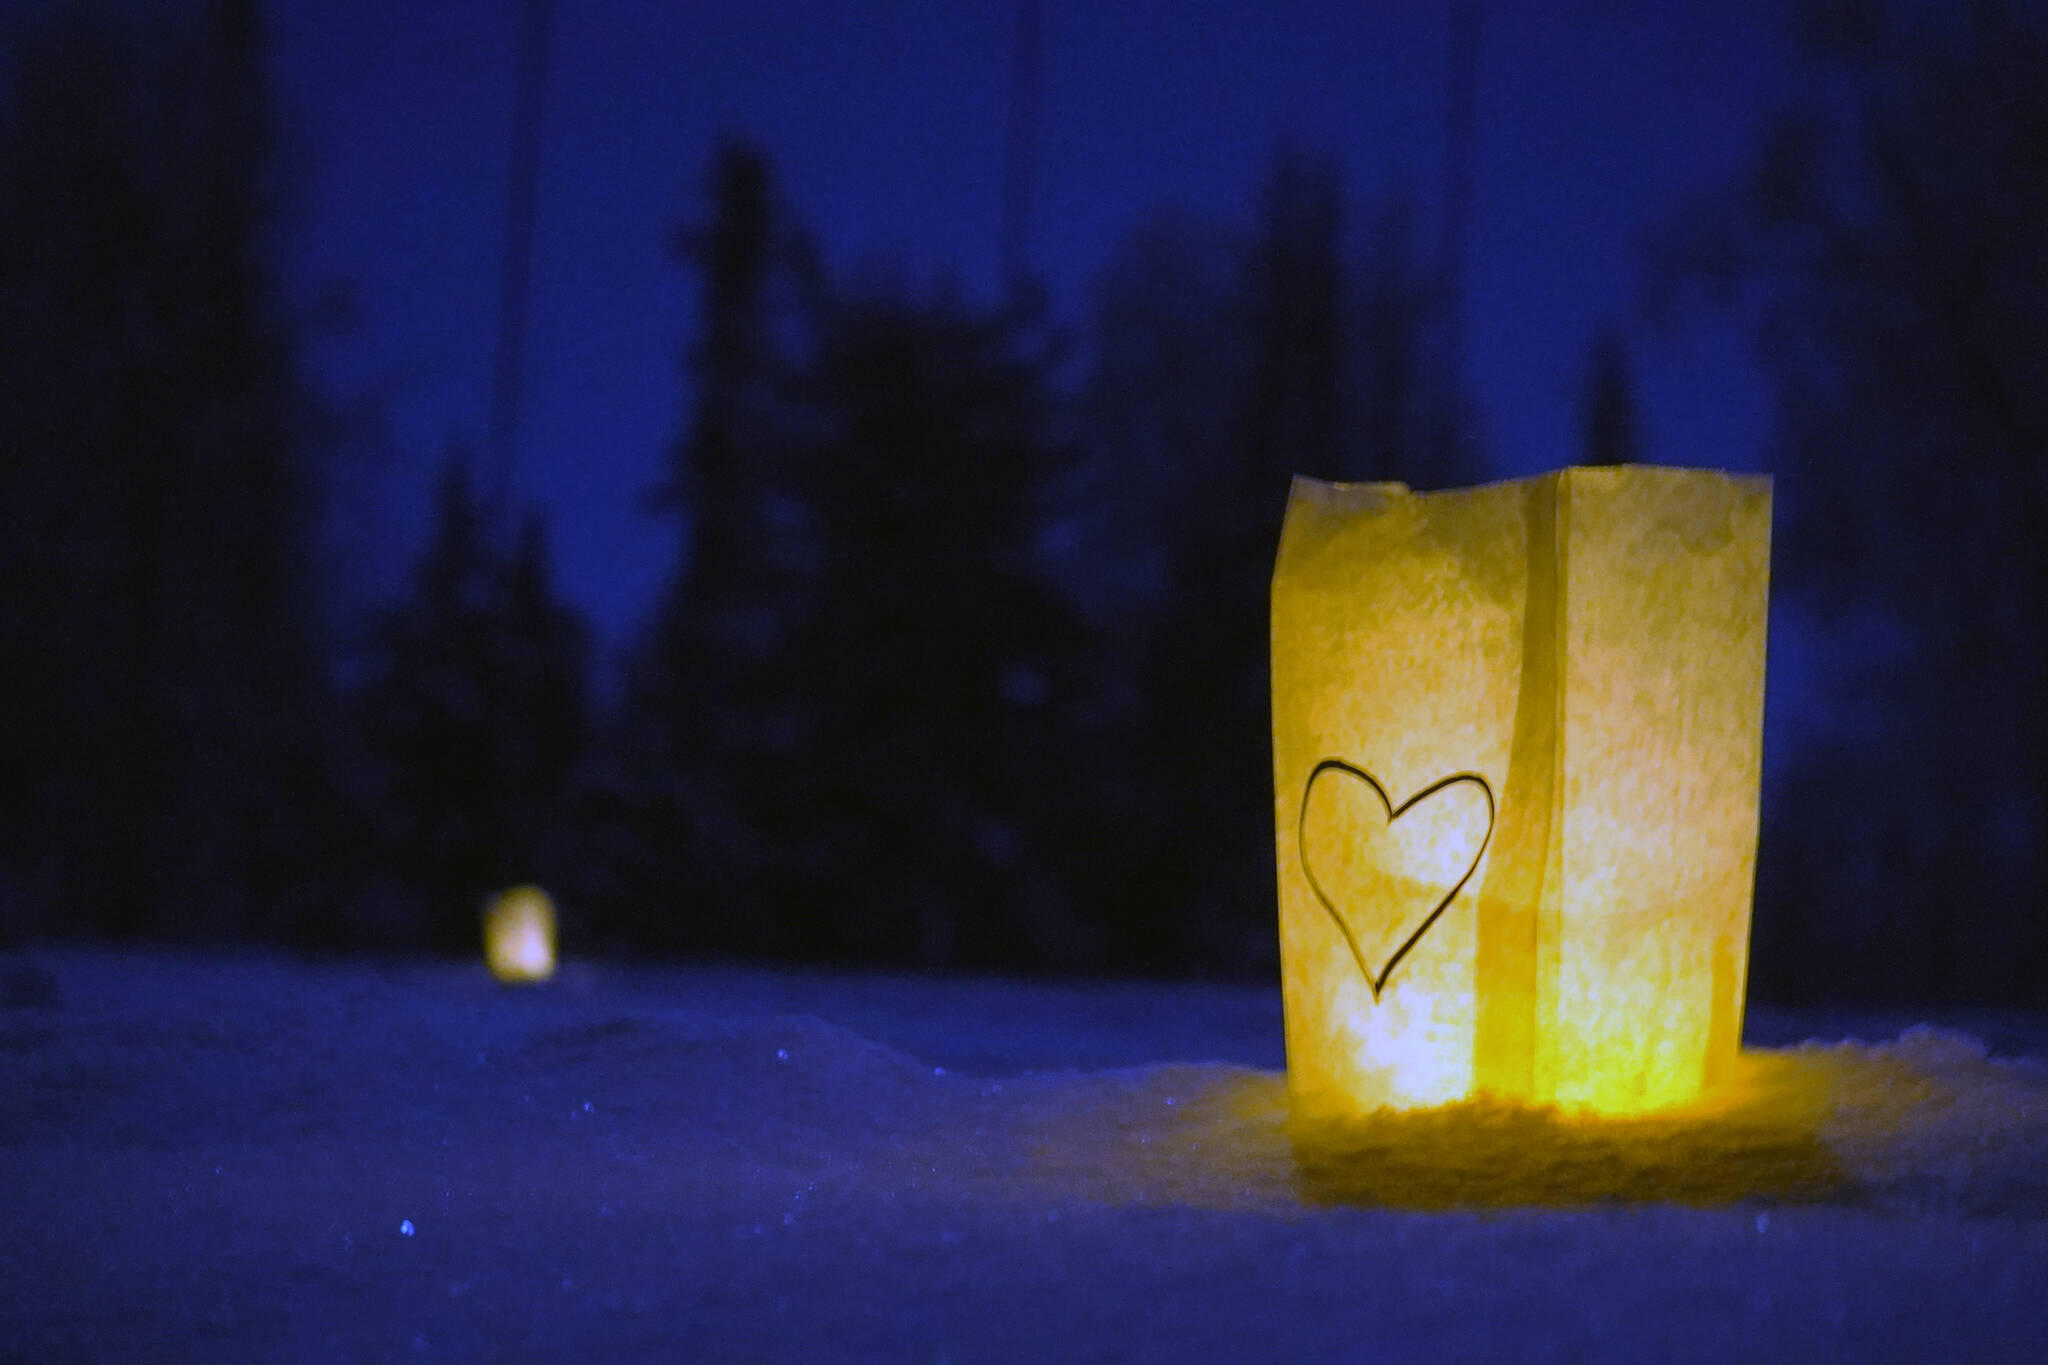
x=1666, y=582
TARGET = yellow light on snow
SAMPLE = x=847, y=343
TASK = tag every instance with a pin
x=1517, y=736
x=519, y=935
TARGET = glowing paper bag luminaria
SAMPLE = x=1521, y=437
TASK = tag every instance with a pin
x=519, y=935
x=1517, y=738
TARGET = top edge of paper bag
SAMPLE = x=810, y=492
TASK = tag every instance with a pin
x=1369, y=492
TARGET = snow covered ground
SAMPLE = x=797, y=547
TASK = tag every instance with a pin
x=242, y=1159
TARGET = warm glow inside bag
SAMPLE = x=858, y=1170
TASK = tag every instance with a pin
x=1517, y=738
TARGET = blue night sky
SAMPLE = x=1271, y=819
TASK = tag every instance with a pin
x=886, y=120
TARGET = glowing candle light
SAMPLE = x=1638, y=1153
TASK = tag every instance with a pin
x=519, y=935
x=1517, y=736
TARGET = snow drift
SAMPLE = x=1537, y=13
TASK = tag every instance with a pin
x=239, y=1159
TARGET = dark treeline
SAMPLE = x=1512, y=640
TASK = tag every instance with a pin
x=1888, y=250
x=160, y=652
x=964, y=662
x=963, y=659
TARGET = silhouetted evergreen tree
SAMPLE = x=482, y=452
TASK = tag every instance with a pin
x=1889, y=249
x=935, y=647
x=1171, y=364
x=1168, y=375
x=545, y=655
x=1294, y=297
x=161, y=489
x=1409, y=419
x=1224, y=363
x=713, y=697
x=473, y=718
x=1205, y=734
x=905, y=699
x=1607, y=406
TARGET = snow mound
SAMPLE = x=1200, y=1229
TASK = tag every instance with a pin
x=161, y=1052
x=1931, y=1124
x=264, y=1159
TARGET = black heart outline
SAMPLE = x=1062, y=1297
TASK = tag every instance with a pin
x=1394, y=812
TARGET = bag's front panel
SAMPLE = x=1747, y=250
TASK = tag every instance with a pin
x=1396, y=662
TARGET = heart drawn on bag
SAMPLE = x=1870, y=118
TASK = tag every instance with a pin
x=1391, y=921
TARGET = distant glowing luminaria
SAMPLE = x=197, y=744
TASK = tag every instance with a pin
x=519, y=935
